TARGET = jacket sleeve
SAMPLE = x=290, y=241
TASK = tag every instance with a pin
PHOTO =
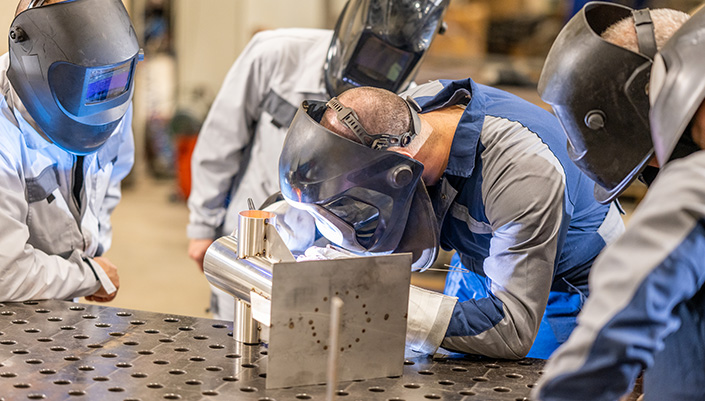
x=635, y=284
x=26, y=272
x=121, y=167
x=226, y=134
x=523, y=192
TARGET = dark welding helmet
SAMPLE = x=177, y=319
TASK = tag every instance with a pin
x=678, y=89
x=599, y=92
x=368, y=201
x=381, y=43
x=72, y=65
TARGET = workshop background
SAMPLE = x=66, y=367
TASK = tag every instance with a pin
x=189, y=47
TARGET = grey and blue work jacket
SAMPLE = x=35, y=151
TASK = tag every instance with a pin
x=237, y=153
x=521, y=216
x=647, y=302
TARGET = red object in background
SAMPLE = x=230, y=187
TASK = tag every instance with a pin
x=184, y=145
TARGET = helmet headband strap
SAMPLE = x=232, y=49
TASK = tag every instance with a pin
x=646, y=38
x=349, y=118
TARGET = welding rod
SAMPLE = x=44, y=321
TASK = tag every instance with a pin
x=336, y=304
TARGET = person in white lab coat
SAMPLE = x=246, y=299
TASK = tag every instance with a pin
x=65, y=116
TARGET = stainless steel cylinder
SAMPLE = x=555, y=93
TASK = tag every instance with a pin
x=239, y=266
x=251, y=232
x=236, y=276
x=245, y=328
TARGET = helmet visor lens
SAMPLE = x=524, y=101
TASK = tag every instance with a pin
x=105, y=83
x=377, y=63
x=362, y=216
x=84, y=91
x=381, y=43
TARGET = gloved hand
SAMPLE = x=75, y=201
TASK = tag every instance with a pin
x=428, y=318
x=296, y=227
x=324, y=253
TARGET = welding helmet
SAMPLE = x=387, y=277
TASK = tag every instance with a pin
x=72, y=66
x=368, y=201
x=678, y=89
x=381, y=43
x=598, y=91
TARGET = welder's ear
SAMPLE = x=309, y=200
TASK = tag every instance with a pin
x=400, y=150
x=699, y=126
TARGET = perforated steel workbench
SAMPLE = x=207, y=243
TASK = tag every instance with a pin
x=57, y=350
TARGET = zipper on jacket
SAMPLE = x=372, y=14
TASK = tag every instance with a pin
x=77, y=182
x=76, y=191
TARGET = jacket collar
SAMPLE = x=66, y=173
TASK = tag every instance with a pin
x=466, y=141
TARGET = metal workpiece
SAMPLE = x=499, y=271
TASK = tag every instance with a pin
x=245, y=327
x=233, y=275
x=59, y=350
x=242, y=265
x=254, y=234
x=238, y=265
x=251, y=228
x=258, y=236
x=374, y=301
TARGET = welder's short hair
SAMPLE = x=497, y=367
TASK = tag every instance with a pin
x=379, y=111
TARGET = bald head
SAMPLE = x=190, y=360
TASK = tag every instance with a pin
x=666, y=22
x=379, y=111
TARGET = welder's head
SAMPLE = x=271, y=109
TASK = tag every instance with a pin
x=381, y=43
x=396, y=126
x=596, y=79
x=72, y=65
x=364, y=197
x=677, y=91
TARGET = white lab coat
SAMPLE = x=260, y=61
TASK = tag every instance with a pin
x=46, y=241
x=237, y=152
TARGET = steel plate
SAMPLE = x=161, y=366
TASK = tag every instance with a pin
x=58, y=350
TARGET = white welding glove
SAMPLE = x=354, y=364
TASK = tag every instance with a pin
x=429, y=317
x=296, y=227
